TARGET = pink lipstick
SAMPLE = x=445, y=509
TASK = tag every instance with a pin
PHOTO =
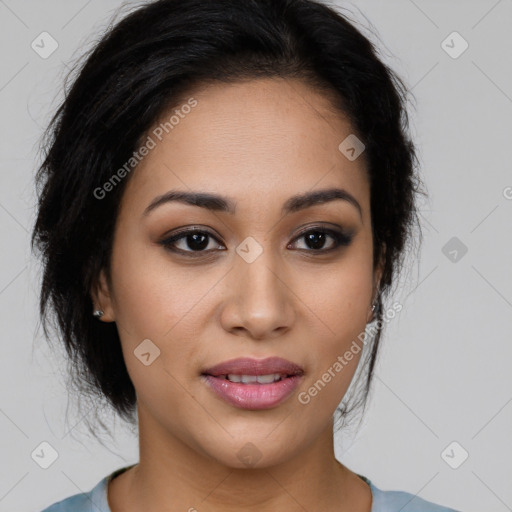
x=254, y=383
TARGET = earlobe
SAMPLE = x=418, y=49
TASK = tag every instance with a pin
x=374, y=306
x=370, y=318
x=101, y=299
x=378, y=273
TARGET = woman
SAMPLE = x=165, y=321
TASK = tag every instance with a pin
x=224, y=205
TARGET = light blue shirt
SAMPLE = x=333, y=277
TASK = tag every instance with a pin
x=383, y=501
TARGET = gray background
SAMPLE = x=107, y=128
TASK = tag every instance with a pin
x=444, y=371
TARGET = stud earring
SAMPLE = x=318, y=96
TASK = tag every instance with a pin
x=98, y=313
x=375, y=309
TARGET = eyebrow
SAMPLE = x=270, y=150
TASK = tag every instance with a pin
x=219, y=203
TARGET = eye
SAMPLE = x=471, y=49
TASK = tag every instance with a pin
x=191, y=240
x=316, y=238
x=196, y=242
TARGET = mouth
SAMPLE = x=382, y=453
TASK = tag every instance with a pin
x=254, y=379
x=254, y=384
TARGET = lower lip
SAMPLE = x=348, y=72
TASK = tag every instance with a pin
x=253, y=396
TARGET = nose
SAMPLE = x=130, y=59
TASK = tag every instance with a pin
x=259, y=303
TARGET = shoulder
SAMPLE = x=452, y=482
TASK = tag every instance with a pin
x=391, y=501
x=94, y=500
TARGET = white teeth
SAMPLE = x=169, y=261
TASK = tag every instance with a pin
x=267, y=379
x=251, y=379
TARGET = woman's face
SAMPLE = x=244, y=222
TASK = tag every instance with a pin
x=256, y=279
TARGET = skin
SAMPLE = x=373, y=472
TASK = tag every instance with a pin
x=258, y=142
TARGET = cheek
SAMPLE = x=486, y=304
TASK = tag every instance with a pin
x=152, y=294
x=339, y=297
x=160, y=301
x=332, y=372
x=340, y=300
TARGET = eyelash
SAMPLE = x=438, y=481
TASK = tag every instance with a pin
x=340, y=240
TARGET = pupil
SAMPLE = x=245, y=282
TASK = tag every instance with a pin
x=315, y=240
x=199, y=241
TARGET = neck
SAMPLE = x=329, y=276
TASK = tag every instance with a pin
x=172, y=475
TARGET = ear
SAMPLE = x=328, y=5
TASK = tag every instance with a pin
x=102, y=298
x=377, y=276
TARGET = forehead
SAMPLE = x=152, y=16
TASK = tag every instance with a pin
x=253, y=140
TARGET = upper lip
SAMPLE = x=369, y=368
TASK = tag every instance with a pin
x=248, y=366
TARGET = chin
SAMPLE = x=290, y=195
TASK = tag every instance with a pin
x=249, y=452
